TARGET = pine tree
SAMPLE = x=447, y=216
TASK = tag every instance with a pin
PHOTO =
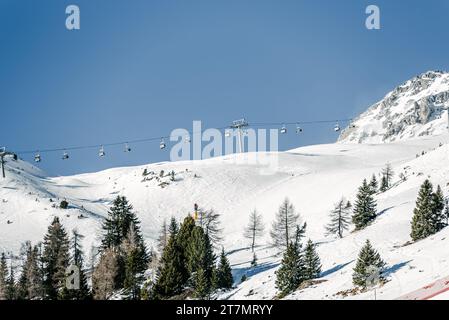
x=446, y=212
x=283, y=228
x=133, y=271
x=173, y=227
x=387, y=177
x=224, y=278
x=374, y=185
x=183, y=238
x=255, y=228
x=368, y=258
x=290, y=274
x=30, y=282
x=202, y=284
x=339, y=218
x=438, y=217
x=200, y=256
x=55, y=258
x=428, y=216
x=171, y=271
x=77, y=259
x=312, y=264
x=163, y=237
x=116, y=228
x=3, y=276
x=365, y=207
x=11, y=290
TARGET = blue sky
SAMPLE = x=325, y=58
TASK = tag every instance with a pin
x=139, y=69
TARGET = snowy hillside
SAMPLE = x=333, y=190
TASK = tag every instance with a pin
x=313, y=177
x=414, y=109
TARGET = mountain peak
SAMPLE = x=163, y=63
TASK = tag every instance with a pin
x=416, y=108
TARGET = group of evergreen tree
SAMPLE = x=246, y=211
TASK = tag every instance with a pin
x=298, y=264
x=431, y=213
x=124, y=257
x=43, y=269
x=188, y=261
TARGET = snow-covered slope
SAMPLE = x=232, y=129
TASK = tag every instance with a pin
x=313, y=177
x=416, y=108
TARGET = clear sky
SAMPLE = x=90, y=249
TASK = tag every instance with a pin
x=141, y=68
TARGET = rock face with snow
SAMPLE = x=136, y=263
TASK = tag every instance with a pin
x=416, y=108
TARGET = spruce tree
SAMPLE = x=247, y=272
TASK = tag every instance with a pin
x=77, y=259
x=133, y=271
x=254, y=229
x=173, y=227
x=11, y=290
x=283, y=228
x=365, y=207
x=55, y=258
x=312, y=264
x=374, y=184
x=183, y=239
x=387, y=177
x=171, y=272
x=339, y=218
x=30, y=283
x=290, y=274
x=428, y=216
x=224, y=278
x=202, y=287
x=368, y=258
x=200, y=256
x=3, y=276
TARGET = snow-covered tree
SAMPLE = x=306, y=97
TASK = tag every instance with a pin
x=364, y=208
x=284, y=226
x=339, y=218
x=255, y=228
x=368, y=258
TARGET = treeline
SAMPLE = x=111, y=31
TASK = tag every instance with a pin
x=188, y=264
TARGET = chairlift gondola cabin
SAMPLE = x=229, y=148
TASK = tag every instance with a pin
x=283, y=129
x=162, y=144
x=65, y=155
x=298, y=129
x=337, y=127
x=101, y=153
x=127, y=148
x=37, y=157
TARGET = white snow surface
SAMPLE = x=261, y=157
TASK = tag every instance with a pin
x=312, y=177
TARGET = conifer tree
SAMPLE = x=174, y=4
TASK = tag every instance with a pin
x=224, y=278
x=133, y=271
x=312, y=264
x=446, y=212
x=387, y=177
x=368, y=258
x=202, y=287
x=77, y=259
x=30, y=282
x=173, y=227
x=163, y=237
x=284, y=226
x=365, y=207
x=428, y=215
x=290, y=274
x=183, y=238
x=200, y=256
x=438, y=217
x=3, y=276
x=55, y=258
x=255, y=228
x=171, y=272
x=339, y=218
x=106, y=273
x=11, y=290
x=374, y=185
